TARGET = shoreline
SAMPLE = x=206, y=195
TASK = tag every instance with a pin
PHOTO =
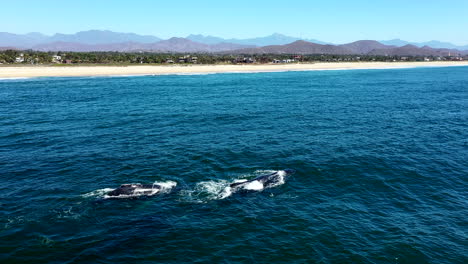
x=19, y=72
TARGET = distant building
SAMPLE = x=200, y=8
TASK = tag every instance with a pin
x=56, y=59
x=20, y=59
x=244, y=60
x=187, y=59
x=169, y=61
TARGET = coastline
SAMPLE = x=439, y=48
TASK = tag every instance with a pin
x=11, y=72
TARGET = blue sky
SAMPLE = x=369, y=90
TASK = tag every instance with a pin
x=335, y=21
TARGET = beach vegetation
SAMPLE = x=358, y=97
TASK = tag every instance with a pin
x=131, y=58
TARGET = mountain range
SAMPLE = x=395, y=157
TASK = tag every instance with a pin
x=90, y=37
x=170, y=45
x=433, y=44
x=274, y=39
x=104, y=40
x=362, y=47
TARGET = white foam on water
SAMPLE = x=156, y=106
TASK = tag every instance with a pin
x=97, y=193
x=281, y=179
x=221, y=189
x=225, y=193
x=166, y=186
x=15, y=78
x=207, y=191
x=214, y=189
x=254, y=186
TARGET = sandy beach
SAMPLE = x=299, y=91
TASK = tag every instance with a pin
x=70, y=71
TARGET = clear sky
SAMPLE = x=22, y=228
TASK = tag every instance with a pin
x=335, y=21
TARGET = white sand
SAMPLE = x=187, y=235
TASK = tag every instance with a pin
x=54, y=71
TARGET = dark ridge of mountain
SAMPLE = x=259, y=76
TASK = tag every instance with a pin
x=102, y=37
x=170, y=45
x=412, y=50
x=365, y=46
x=274, y=39
x=186, y=45
x=297, y=47
x=229, y=46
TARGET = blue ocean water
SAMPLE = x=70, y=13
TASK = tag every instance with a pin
x=381, y=159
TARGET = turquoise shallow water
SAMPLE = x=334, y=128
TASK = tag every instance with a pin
x=381, y=159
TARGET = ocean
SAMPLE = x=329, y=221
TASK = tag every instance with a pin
x=381, y=160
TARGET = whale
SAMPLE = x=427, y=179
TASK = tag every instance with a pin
x=263, y=181
x=137, y=189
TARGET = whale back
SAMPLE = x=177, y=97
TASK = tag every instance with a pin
x=264, y=179
x=131, y=189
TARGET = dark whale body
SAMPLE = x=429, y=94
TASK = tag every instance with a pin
x=134, y=189
x=266, y=180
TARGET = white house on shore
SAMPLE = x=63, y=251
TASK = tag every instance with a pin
x=56, y=59
x=20, y=59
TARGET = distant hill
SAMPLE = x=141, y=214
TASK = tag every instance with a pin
x=206, y=39
x=412, y=50
x=105, y=40
x=80, y=47
x=274, y=39
x=102, y=37
x=186, y=45
x=182, y=45
x=365, y=46
x=90, y=37
x=170, y=45
x=433, y=44
x=297, y=47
